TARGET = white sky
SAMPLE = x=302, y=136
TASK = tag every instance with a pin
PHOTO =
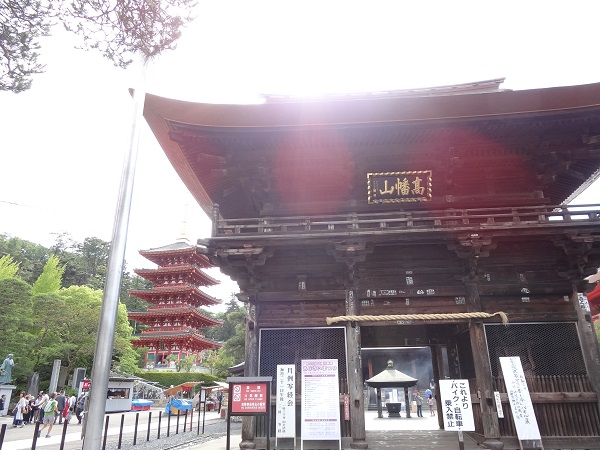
x=63, y=142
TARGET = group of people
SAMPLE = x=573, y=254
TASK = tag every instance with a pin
x=47, y=409
x=419, y=401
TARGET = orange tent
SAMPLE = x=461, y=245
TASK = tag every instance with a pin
x=183, y=387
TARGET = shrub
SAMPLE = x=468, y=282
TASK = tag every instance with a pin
x=174, y=378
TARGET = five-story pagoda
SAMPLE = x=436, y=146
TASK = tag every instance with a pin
x=173, y=317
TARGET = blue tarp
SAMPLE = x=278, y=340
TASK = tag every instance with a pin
x=178, y=405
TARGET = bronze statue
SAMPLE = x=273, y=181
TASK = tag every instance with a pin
x=6, y=369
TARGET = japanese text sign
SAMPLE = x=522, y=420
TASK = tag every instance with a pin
x=286, y=401
x=320, y=400
x=519, y=399
x=457, y=409
x=248, y=398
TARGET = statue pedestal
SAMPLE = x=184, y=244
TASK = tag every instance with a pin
x=6, y=389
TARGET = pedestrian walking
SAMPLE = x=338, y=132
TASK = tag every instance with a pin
x=79, y=406
x=61, y=400
x=50, y=409
x=20, y=409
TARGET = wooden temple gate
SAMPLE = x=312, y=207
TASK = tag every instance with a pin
x=400, y=220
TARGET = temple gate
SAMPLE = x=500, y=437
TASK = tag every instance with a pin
x=408, y=219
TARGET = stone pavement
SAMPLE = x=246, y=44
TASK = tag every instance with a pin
x=382, y=434
x=418, y=433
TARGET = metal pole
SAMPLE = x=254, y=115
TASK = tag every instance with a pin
x=121, y=431
x=159, y=420
x=149, y=422
x=135, y=429
x=64, y=435
x=105, y=432
x=110, y=298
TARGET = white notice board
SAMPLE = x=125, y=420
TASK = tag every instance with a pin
x=320, y=400
x=457, y=408
x=519, y=399
x=286, y=401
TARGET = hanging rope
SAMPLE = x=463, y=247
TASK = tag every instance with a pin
x=471, y=315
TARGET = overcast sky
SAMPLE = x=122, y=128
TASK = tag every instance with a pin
x=63, y=142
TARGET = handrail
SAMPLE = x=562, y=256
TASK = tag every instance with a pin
x=462, y=218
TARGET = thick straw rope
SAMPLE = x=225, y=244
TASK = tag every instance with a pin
x=471, y=315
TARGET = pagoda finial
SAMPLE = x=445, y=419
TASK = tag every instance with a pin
x=183, y=235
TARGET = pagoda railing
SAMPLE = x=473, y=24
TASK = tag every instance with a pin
x=455, y=219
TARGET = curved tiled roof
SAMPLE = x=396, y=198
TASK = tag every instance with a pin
x=176, y=336
x=225, y=153
x=185, y=313
x=149, y=274
x=147, y=294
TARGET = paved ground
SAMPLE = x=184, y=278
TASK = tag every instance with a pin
x=382, y=434
x=416, y=433
x=21, y=438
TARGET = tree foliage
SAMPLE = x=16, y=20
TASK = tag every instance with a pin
x=120, y=28
x=175, y=378
x=16, y=324
x=233, y=315
x=8, y=267
x=185, y=364
x=233, y=334
x=218, y=361
x=46, y=328
x=30, y=257
x=116, y=28
x=50, y=279
x=47, y=323
x=22, y=23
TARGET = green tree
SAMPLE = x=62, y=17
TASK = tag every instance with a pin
x=15, y=323
x=235, y=346
x=66, y=248
x=66, y=326
x=23, y=22
x=218, y=361
x=80, y=325
x=117, y=29
x=94, y=252
x=185, y=364
x=233, y=315
x=126, y=356
x=8, y=268
x=48, y=311
x=133, y=282
x=30, y=257
x=51, y=278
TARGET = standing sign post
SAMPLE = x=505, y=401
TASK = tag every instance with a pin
x=202, y=404
x=520, y=403
x=320, y=401
x=457, y=408
x=286, y=402
x=249, y=396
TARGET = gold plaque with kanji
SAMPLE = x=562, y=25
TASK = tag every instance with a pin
x=397, y=187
